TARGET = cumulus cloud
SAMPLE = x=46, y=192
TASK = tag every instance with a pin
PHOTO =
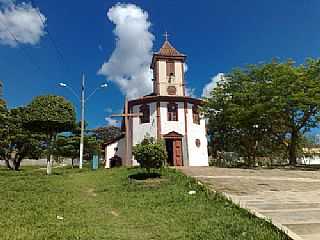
x=129, y=64
x=212, y=84
x=20, y=23
x=108, y=110
x=112, y=121
x=191, y=92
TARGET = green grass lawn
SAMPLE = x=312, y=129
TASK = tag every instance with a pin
x=105, y=204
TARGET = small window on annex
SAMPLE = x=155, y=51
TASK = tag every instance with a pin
x=195, y=114
x=172, y=112
x=145, y=113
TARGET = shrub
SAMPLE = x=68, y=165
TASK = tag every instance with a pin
x=150, y=154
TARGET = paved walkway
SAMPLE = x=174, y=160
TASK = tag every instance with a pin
x=291, y=199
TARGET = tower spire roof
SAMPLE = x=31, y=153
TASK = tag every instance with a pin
x=167, y=49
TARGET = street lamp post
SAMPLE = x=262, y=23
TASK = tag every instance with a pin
x=83, y=100
x=82, y=121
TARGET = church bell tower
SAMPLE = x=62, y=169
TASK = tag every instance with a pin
x=168, y=71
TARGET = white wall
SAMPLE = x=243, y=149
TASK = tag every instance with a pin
x=312, y=160
x=198, y=156
x=169, y=126
x=139, y=131
x=110, y=151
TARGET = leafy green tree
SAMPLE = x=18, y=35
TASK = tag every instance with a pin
x=3, y=128
x=19, y=143
x=150, y=154
x=295, y=99
x=265, y=108
x=107, y=133
x=68, y=147
x=50, y=115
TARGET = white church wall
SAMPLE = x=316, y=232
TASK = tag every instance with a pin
x=140, y=131
x=116, y=148
x=198, y=156
x=170, y=126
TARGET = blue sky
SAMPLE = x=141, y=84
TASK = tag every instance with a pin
x=215, y=35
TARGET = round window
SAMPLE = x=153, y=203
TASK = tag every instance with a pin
x=198, y=143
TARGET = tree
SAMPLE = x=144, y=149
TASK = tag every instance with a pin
x=266, y=107
x=3, y=128
x=150, y=155
x=17, y=142
x=67, y=146
x=50, y=115
x=296, y=98
x=107, y=133
x=237, y=121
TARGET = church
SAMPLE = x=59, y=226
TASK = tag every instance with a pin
x=167, y=114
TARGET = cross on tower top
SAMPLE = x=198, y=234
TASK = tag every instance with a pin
x=166, y=35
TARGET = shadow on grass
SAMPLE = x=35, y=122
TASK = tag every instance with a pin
x=144, y=176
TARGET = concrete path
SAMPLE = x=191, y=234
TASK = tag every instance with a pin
x=291, y=199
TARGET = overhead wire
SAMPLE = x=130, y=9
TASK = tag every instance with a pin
x=23, y=50
x=60, y=58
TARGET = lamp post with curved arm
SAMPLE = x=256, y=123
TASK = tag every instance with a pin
x=83, y=100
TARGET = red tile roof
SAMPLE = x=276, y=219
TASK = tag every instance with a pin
x=168, y=50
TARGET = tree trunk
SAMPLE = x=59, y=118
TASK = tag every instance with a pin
x=49, y=164
x=50, y=156
x=7, y=161
x=17, y=163
x=293, y=148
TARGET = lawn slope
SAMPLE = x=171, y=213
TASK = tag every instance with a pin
x=105, y=204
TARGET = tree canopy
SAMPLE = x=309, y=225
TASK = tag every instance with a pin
x=264, y=108
x=107, y=133
x=18, y=142
x=50, y=115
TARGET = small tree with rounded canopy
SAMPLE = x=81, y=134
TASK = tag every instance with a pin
x=150, y=154
x=50, y=115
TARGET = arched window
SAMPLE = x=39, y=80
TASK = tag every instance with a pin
x=145, y=113
x=172, y=112
x=195, y=114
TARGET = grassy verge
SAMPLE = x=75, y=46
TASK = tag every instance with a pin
x=105, y=204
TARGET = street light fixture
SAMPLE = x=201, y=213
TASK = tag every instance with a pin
x=82, y=101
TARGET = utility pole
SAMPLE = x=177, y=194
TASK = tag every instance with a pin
x=83, y=100
x=82, y=120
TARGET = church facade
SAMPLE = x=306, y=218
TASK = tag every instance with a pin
x=166, y=114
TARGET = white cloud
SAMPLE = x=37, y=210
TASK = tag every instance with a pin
x=108, y=110
x=20, y=24
x=190, y=92
x=129, y=64
x=211, y=85
x=112, y=121
x=185, y=67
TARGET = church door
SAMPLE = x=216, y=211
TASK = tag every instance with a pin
x=177, y=152
x=174, y=148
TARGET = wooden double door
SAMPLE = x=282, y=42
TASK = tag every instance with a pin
x=174, y=150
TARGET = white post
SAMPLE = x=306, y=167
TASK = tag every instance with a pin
x=82, y=121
